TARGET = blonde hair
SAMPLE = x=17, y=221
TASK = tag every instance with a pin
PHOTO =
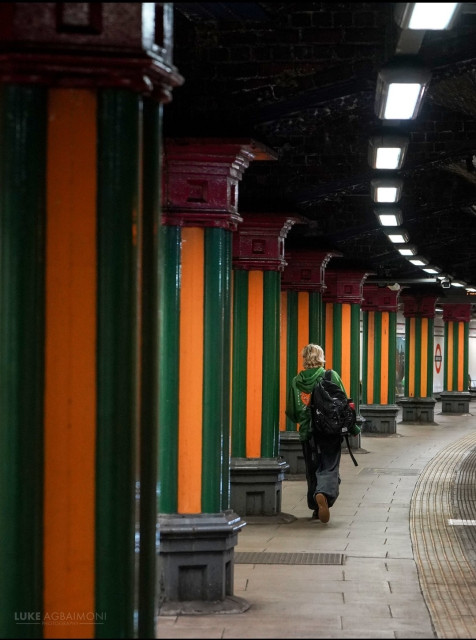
x=313, y=356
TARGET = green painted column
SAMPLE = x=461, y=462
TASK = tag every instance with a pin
x=200, y=192
x=419, y=313
x=148, y=384
x=117, y=359
x=79, y=166
x=456, y=352
x=302, y=285
x=379, y=367
x=258, y=261
x=342, y=300
x=23, y=123
x=379, y=323
x=418, y=402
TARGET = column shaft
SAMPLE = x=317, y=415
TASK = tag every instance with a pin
x=456, y=356
x=23, y=125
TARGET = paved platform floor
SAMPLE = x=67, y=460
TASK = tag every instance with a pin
x=403, y=529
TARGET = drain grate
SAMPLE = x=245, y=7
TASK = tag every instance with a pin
x=392, y=472
x=261, y=557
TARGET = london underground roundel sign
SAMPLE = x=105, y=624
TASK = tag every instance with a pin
x=438, y=358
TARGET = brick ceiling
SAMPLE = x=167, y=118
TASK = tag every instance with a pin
x=300, y=77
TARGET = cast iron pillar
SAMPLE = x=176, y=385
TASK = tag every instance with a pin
x=82, y=88
x=379, y=345
x=342, y=300
x=258, y=260
x=418, y=403
x=198, y=528
x=302, y=284
x=456, y=397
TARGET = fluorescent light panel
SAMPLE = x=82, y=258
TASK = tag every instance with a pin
x=407, y=250
x=429, y=15
x=458, y=283
x=396, y=235
x=386, y=190
x=387, y=151
x=389, y=216
x=432, y=270
x=418, y=261
x=400, y=90
x=402, y=100
x=388, y=158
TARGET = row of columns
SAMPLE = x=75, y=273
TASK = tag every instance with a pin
x=147, y=331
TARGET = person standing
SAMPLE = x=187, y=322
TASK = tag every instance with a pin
x=322, y=460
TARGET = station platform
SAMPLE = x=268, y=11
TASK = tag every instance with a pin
x=396, y=560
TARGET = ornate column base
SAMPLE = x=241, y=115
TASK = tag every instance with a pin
x=196, y=563
x=379, y=418
x=256, y=485
x=290, y=449
x=418, y=409
x=455, y=401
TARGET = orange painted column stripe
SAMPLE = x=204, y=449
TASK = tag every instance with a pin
x=70, y=361
x=424, y=358
x=191, y=371
x=384, y=357
x=302, y=324
x=461, y=344
x=450, y=356
x=328, y=351
x=283, y=352
x=254, y=384
x=346, y=347
x=411, y=355
x=370, y=357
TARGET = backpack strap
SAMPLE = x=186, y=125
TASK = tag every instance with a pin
x=346, y=436
x=328, y=374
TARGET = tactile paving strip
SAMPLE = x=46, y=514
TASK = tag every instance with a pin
x=447, y=577
x=263, y=557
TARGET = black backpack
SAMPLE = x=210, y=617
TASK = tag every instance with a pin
x=332, y=412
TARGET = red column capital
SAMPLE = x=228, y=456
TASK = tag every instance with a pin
x=259, y=242
x=89, y=44
x=456, y=312
x=201, y=177
x=304, y=270
x=379, y=298
x=418, y=305
x=345, y=286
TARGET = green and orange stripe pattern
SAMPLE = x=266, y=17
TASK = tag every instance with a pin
x=70, y=228
x=301, y=324
x=418, y=357
x=255, y=365
x=194, y=362
x=378, y=357
x=456, y=356
x=342, y=344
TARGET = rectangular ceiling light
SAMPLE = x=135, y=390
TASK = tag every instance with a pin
x=400, y=91
x=387, y=151
x=389, y=216
x=426, y=15
x=396, y=235
x=418, y=261
x=407, y=250
x=432, y=270
x=386, y=190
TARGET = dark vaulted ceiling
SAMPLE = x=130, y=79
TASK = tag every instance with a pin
x=300, y=77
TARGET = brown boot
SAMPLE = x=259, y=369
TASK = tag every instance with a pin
x=321, y=502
